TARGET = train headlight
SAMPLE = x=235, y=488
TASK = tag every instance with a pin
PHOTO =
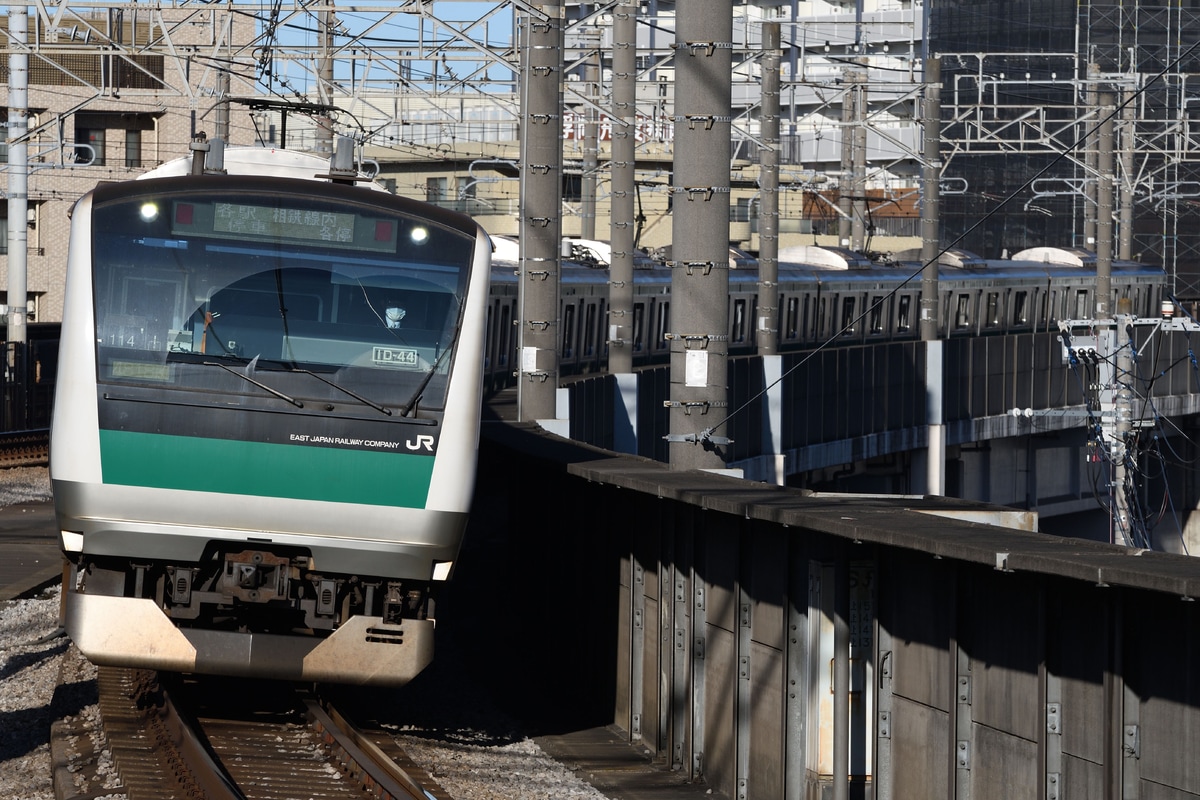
x=149, y=211
x=71, y=541
x=419, y=235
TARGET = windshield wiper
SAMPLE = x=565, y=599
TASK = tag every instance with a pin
x=420, y=392
x=343, y=389
x=248, y=379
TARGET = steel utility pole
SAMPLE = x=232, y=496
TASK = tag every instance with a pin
x=700, y=233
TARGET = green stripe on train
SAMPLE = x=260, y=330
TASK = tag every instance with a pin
x=265, y=470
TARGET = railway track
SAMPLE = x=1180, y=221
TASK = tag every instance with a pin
x=233, y=740
x=25, y=448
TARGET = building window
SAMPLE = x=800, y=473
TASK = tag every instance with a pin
x=435, y=190
x=91, y=146
x=133, y=149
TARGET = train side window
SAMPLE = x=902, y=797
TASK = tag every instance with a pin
x=1081, y=304
x=664, y=320
x=1137, y=302
x=639, y=322
x=962, y=311
x=847, y=324
x=877, y=304
x=601, y=339
x=568, y=343
x=819, y=320
x=505, y=326
x=1020, y=315
x=739, y=320
x=793, y=317
x=992, y=310
x=904, y=313
x=589, y=331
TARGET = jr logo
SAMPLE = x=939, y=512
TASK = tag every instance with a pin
x=423, y=441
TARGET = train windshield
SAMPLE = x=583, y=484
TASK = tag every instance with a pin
x=288, y=294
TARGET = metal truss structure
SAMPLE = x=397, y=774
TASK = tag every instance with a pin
x=359, y=62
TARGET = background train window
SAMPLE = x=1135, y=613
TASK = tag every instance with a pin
x=589, y=330
x=991, y=317
x=505, y=327
x=739, y=320
x=1020, y=306
x=568, y=345
x=962, y=311
x=877, y=304
x=639, y=321
x=819, y=320
x=847, y=325
x=1081, y=304
x=660, y=328
x=904, y=313
x=792, y=318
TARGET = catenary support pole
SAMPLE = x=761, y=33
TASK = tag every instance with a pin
x=622, y=225
x=769, y=316
x=541, y=209
x=768, y=186
x=931, y=173
x=591, y=152
x=622, y=169
x=700, y=235
x=18, y=172
x=1128, y=129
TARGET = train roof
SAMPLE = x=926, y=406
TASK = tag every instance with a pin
x=267, y=161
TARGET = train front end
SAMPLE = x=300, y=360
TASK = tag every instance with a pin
x=266, y=424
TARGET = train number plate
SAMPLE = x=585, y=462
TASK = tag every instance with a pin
x=403, y=357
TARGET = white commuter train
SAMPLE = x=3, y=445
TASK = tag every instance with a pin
x=265, y=431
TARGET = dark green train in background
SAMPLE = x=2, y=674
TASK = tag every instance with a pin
x=267, y=417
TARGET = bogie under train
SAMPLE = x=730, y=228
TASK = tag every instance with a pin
x=266, y=422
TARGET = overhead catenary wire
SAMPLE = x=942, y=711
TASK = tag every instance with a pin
x=707, y=433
